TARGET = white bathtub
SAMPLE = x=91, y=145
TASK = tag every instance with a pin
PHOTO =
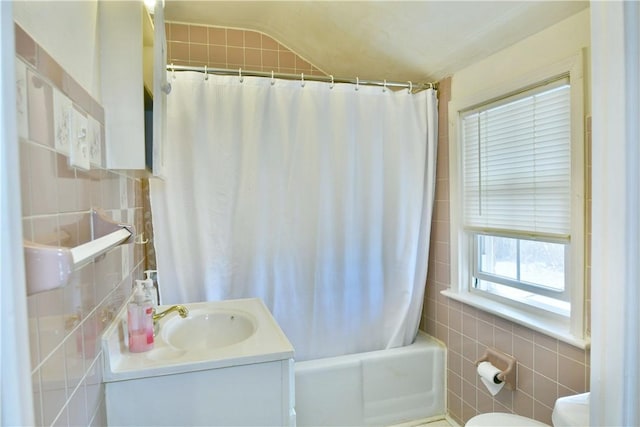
x=377, y=388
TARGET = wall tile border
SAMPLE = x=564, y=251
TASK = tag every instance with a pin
x=47, y=67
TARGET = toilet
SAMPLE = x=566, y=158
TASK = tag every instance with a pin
x=569, y=411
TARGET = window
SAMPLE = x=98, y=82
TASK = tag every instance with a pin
x=516, y=160
x=523, y=270
x=517, y=172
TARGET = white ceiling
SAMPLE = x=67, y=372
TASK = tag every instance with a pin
x=393, y=40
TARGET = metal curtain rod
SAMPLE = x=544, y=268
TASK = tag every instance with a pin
x=328, y=79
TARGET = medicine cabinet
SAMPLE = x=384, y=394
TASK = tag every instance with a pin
x=130, y=46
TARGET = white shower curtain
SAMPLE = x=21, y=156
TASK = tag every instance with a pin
x=315, y=198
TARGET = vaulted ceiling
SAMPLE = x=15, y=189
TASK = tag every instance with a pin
x=395, y=40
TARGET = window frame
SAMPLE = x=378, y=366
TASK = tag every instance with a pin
x=571, y=329
x=523, y=285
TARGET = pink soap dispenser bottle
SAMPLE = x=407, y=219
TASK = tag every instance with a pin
x=140, y=321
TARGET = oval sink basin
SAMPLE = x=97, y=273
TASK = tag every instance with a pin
x=204, y=329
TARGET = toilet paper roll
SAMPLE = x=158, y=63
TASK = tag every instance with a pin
x=489, y=376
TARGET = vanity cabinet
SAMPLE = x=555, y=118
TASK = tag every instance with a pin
x=227, y=363
x=126, y=66
x=259, y=394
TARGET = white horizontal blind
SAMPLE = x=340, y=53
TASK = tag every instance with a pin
x=517, y=165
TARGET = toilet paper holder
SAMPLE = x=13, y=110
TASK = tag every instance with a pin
x=507, y=364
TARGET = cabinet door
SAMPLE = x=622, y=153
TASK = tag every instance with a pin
x=245, y=395
x=122, y=83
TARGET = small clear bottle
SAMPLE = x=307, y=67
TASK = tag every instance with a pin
x=140, y=321
x=149, y=291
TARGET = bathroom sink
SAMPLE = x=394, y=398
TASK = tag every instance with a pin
x=208, y=329
x=227, y=361
x=214, y=334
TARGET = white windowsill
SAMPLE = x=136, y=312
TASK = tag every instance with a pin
x=548, y=325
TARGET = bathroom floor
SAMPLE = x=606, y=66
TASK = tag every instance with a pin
x=436, y=423
x=439, y=423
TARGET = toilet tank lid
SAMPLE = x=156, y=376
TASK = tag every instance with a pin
x=571, y=411
x=499, y=419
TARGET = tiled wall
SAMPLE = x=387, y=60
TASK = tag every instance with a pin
x=218, y=47
x=547, y=368
x=65, y=324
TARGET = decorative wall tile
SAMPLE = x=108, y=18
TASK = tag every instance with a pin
x=62, y=114
x=40, y=107
x=79, y=140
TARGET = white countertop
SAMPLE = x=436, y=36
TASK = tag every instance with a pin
x=268, y=343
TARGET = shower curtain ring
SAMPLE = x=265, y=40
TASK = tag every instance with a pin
x=357, y=83
x=302, y=79
x=384, y=86
x=410, y=87
x=240, y=75
x=206, y=76
x=331, y=85
x=173, y=71
x=273, y=80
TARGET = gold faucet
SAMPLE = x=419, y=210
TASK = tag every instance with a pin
x=181, y=309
